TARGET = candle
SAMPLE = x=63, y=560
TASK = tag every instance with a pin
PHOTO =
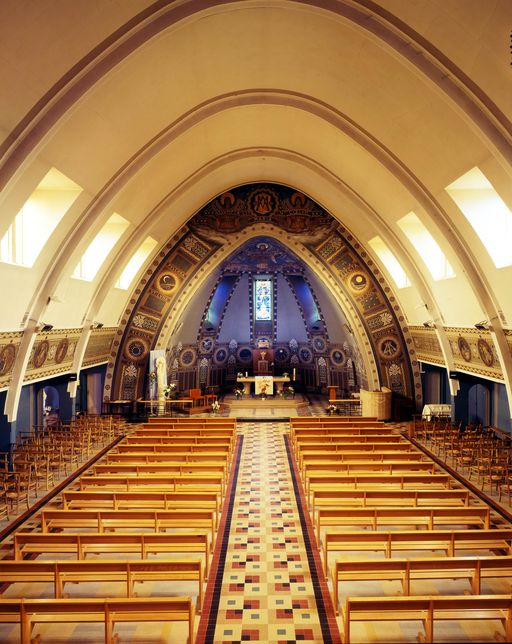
x=293, y=374
x=246, y=374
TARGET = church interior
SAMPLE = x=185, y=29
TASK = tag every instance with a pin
x=256, y=339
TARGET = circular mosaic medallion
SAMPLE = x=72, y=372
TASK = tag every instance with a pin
x=281, y=355
x=338, y=357
x=220, y=356
x=485, y=352
x=136, y=348
x=62, y=349
x=206, y=345
x=244, y=354
x=319, y=344
x=166, y=283
x=263, y=202
x=7, y=356
x=40, y=354
x=464, y=348
x=188, y=357
x=357, y=282
x=389, y=348
x=305, y=354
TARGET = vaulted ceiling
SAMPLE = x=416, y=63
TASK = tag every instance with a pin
x=371, y=108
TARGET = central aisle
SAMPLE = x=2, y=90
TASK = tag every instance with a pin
x=266, y=583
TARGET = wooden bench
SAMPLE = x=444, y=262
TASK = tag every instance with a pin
x=191, y=422
x=448, y=541
x=128, y=572
x=105, y=500
x=426, y=609
x=171, y=483
x=211, y=442
x=28, y=612
x=354, y=457
x=400, y=481
x=426, y=518
x=182, y=432
x=335, y=497
x=155, y=457
x=208, y=467
x=361, y=467
x=162, y=448
x=104, y=520
x=408, y=570
x=120, y=543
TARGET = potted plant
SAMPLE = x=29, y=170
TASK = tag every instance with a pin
x=238, y=393
x=215, y=407
x=331, y=409
x=288, y=392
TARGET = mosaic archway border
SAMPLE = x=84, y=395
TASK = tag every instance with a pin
x=220, y=227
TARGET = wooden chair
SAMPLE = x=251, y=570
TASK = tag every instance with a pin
x=195, y=395
x=18, y=490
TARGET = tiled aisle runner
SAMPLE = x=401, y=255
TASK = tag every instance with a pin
x=266, y=583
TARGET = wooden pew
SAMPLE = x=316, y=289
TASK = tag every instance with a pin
x=183, y=432
x=173, y=449
x=128, y=572
x=150, y=457
x=408, y=570
x=355, y=446
x=120, y=543
x=361, y=467
x=208, y=467
x=426, y=518
x=191, y=422
x=336, y=497
x=400, y=481
x=211, y=442
x=102, y=520
x=105, y=500
x=426, y=609
x=28, y=612
x=299, y=421
x=149, y=482
x=307, y=456
x=448, y=541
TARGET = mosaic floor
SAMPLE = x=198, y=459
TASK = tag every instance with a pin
x=266, y=583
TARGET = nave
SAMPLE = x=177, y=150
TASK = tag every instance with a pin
x=375, y=501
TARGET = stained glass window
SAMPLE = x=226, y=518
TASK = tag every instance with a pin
x=263, y=299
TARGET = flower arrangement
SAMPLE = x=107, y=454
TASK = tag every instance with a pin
x=331, y=409
x=287, y=391
x=238, y=393
x=215, y=406
x=239, y=375
x=170, y=390
x=285, y=374
x=152, y=376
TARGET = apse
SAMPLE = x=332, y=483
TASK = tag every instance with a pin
x=264, y=296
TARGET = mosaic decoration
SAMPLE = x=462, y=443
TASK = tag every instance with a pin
x=472, y=350
x=305, y=222
x=7, y=356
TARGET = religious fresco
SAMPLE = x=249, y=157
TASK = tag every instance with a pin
x=303, y=221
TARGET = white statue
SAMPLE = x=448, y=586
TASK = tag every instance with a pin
x=161, y=377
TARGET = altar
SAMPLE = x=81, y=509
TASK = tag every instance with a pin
x=262, y=384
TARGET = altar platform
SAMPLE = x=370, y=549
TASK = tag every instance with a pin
x=267, y=408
